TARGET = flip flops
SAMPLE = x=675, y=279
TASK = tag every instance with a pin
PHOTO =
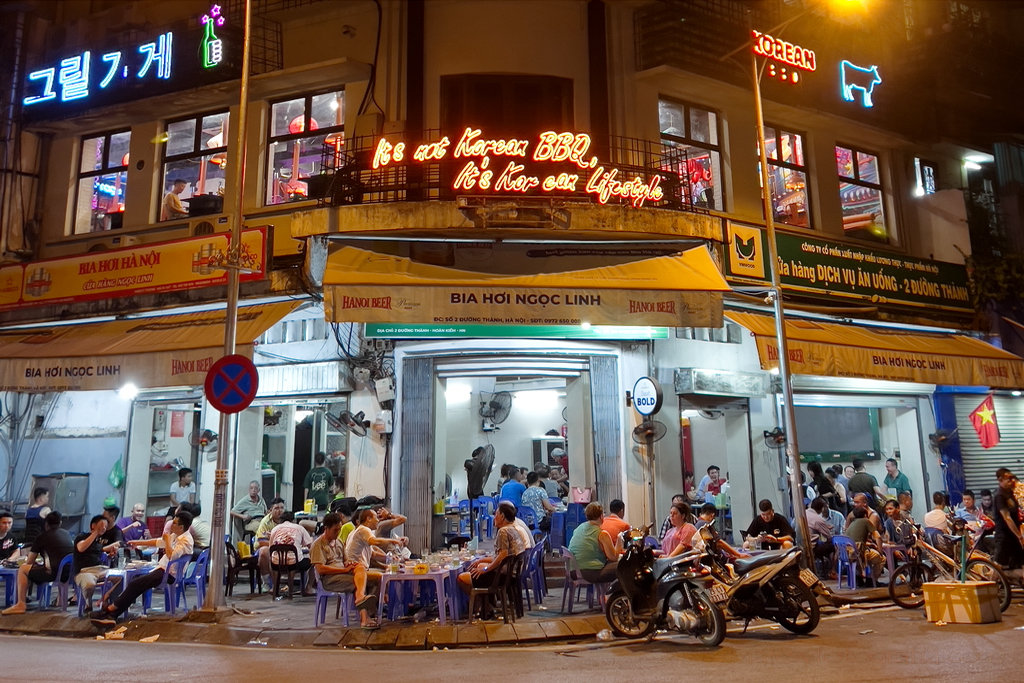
x=368, y=603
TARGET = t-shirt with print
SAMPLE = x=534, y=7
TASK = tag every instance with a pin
x=777, y=526
x=7, y=546
x=91, y=557
x=509, y=540
x=532, y=498
x=318, y=483
x=290, y=533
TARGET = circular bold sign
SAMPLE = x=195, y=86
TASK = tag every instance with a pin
x=231, y=384
x=647, y=396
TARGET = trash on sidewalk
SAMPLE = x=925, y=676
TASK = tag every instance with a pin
x=940, y=623
x=113, y=635
x=604, y=634
x=150, y=639
x=864, y=633
x=258, y=641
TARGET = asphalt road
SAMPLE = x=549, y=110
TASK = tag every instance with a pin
x=871, y=647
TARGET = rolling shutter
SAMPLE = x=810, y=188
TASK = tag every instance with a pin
x=980, y=464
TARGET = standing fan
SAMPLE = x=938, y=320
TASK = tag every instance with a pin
x=356, y=423
x=649, y=431
x=203, y=439
x=942, y=438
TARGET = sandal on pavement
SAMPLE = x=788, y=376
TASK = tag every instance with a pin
x=368, y=603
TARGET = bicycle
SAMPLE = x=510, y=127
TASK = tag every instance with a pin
x=926, y=563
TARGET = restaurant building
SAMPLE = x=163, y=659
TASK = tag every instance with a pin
x=448, y=203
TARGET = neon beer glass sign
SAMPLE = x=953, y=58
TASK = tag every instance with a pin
x=511, y=166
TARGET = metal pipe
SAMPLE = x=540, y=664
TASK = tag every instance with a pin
x=788, y=413
x=226, y=443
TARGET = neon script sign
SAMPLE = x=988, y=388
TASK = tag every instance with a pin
x=782, y=53
x=493, y=165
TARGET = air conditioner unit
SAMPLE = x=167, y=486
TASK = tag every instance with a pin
x=209, y=225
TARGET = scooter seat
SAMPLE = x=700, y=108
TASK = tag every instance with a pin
x=742, y=566
x=663, y=564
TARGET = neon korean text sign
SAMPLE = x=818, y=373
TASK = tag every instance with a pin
x=787, y=59
x=510, y=166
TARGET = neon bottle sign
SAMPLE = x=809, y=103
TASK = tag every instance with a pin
x=500, y=165
x=787, y=59
x=213, y=48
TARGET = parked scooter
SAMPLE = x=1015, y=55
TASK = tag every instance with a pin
x=666, y=594
x=769, y=586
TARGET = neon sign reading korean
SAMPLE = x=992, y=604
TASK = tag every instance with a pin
x=500, y=165
x=783, y=53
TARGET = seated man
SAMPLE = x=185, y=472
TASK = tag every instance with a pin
x=327, y=555
x=772, y=530
x=507, y=544
x=267, y=524
x=362, y=542
x=522, y=527
x=250, y=510
x=88, y=566
x=861, y=500
x=9, y=550
x=175, y=544
x=113, y=534
x=536, y=498
x=614, y=524
x=200, y=529
x=863, y=533
x=290, y=533
x=593, y=548
x=54, y=544
x=820, y=528
x=387, y=522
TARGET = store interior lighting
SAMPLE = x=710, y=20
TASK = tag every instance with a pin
x=128, y=392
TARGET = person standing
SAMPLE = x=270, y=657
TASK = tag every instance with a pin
x=35, y=514
x=865, y=483
x=1008, y=538
x=318, y=482
x=894, y=479
x=823, y=486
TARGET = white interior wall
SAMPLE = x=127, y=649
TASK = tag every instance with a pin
x=365, y=454
x=580, y=432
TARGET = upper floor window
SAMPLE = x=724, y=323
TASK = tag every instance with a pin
x=689, y=135
x=787, y=177
x=195, y=162
x=861, y=195
x=299, y=128
x=925, y=172
x=102, y=182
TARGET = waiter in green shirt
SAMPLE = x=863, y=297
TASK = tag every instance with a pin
x=894, y=479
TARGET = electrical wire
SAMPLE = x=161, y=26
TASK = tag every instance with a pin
x=371, y=85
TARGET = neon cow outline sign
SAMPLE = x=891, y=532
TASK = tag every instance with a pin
x=478, y=174
x=853, y=77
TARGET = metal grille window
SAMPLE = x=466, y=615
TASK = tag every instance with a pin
x=689, y=136
x=787, y=177
x=925, y=173
x=102, y=182
x=861, y=195
x=299, y=128
x=195, y=157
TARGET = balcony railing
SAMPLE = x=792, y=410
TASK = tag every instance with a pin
x=348, y=175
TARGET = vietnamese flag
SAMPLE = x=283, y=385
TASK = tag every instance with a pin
x=984, y=420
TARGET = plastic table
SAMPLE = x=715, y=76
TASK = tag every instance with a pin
x=445, y=597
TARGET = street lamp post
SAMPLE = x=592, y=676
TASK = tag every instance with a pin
x=215, y=601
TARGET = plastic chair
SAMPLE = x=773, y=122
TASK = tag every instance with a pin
x=574, y=581
x=500, y=588
x=196, y=577
x=848, y=558
x=652, y=542
x=175, y=568
x=527, y=515
x=279, y=565
x=62, y=579
x=484, y=514
x=346, y=603
x=236, y=564
x=532, y=575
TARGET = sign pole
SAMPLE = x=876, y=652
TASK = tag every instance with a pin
x=215, y=601
x=789, y=415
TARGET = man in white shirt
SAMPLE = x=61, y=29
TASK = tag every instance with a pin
x=184, y=490
x=936, y=517
x=361, y=542
x=290, y=533
x=176, y=544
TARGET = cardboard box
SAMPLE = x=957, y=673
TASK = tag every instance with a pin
x=974, y=602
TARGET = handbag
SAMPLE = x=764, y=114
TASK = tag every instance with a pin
x=580, y=495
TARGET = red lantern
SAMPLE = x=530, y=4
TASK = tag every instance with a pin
x=298, y=125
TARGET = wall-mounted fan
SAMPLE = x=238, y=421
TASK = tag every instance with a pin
x=495, y=410
x=649, y=431
x=345, y=421
x=942, y=438
x=203, y=439
x=711, y=414
x=775, y=439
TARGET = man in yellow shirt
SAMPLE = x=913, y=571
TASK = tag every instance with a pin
x=171, y=209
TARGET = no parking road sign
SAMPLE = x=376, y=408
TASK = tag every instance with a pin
x=231, y=384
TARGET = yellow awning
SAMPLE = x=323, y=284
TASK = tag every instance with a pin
x=678, y=290
x=835, y=350
x=160, y=351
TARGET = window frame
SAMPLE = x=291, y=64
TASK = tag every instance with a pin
x=197, y=151
x=856, y=180
x=921, y=188
x=805, y=169
x=105, y=169
x=307, y=114
x=688, y=140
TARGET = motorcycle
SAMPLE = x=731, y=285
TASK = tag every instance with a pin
x=667, y=594
x=770, y=586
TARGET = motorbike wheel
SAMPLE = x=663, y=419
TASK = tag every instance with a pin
x=984, y=570
x=619, y=614
x=796, y=595
x=712, y=632
x=906, y=586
